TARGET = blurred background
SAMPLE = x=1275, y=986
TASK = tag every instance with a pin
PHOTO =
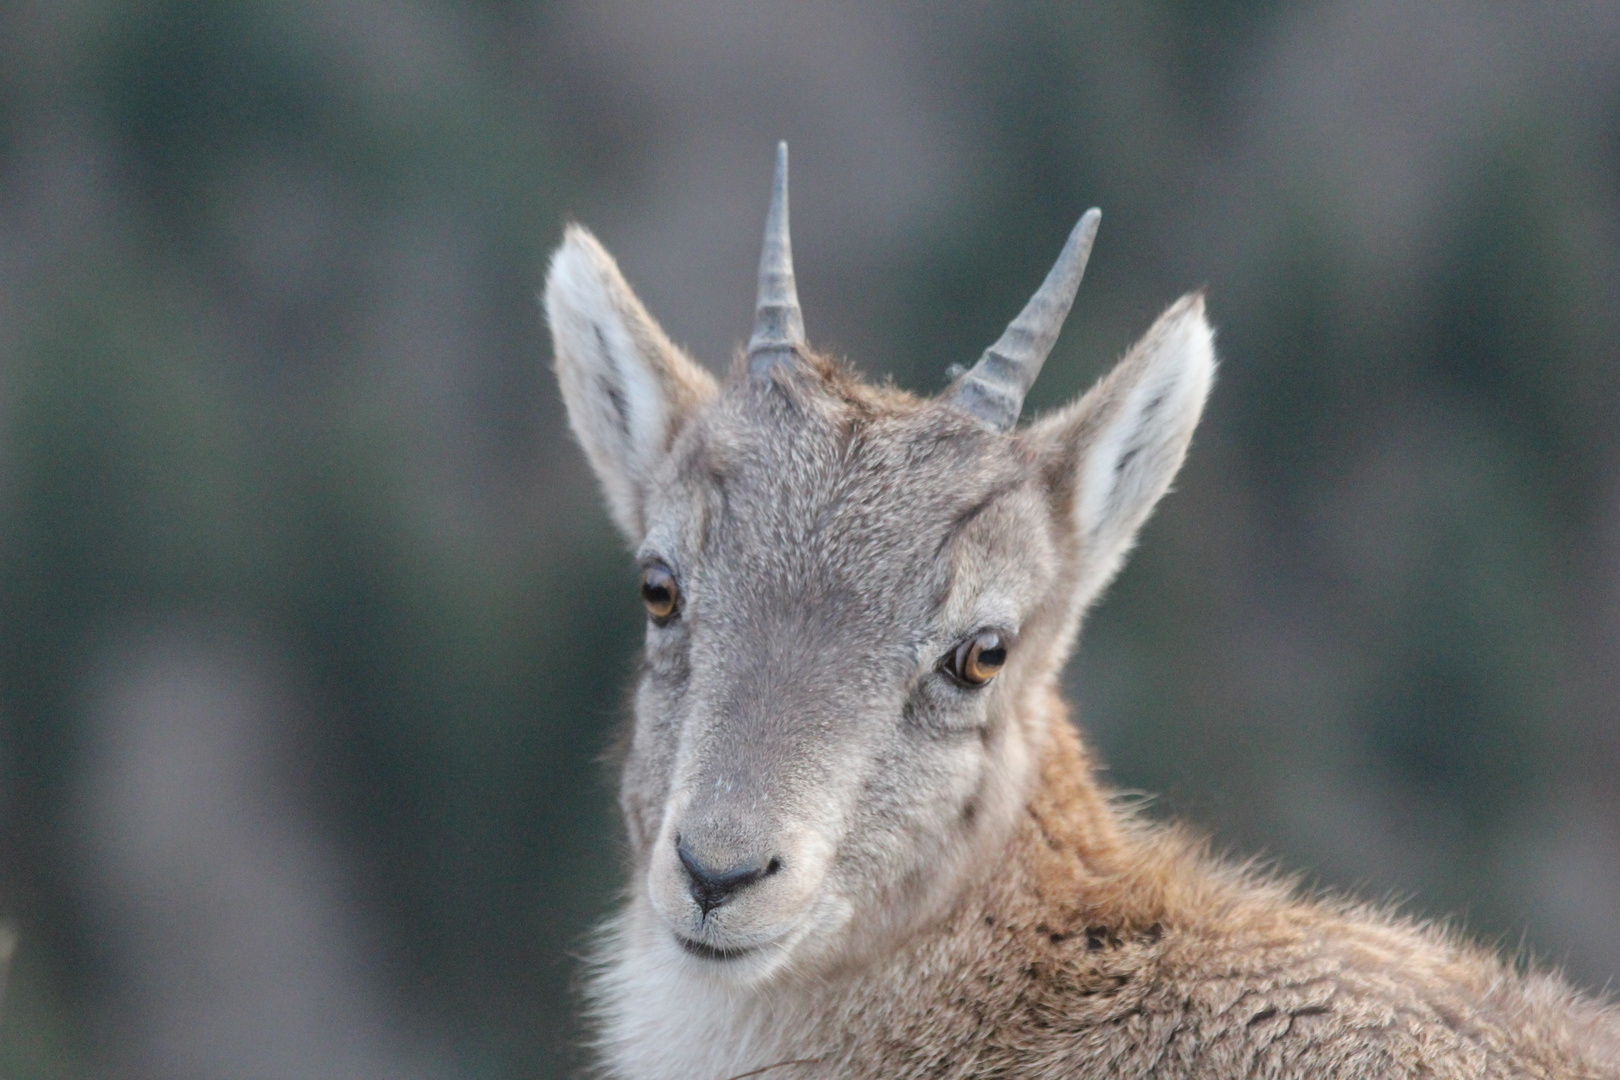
x=312, y=628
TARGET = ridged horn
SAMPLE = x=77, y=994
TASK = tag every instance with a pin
x=994, y=388
x=778, y=322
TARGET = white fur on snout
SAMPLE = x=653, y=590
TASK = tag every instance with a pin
x=766, y=912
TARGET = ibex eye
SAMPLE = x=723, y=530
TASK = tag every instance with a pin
x=976, y=661
x=660, y=593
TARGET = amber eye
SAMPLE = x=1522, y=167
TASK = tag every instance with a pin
x=660, y=593
x=976, y=661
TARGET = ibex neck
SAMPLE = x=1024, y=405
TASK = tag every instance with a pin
x=1072, y=818
x=1068, y=851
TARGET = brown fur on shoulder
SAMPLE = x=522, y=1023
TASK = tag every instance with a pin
x=1107, y=946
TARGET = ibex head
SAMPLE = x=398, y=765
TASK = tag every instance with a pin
x=858, y=600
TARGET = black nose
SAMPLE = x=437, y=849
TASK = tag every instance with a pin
x=710, y=887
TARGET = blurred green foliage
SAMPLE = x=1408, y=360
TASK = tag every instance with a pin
x=181, y=440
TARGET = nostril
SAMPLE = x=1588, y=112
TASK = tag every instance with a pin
x=711, y=887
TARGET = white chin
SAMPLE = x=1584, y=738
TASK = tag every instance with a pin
x=732, y=963
x=811, y=937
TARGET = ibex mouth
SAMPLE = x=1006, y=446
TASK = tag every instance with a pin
x=712, y=952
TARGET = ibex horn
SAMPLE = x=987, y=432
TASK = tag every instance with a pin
x=994, y=389
x=778, y=322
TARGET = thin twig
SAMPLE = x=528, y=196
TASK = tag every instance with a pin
x=778, y=1065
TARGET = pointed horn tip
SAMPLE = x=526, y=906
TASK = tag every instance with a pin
x=1086, y=228
x=779, y=185
x=781, y=165
x=1076, y=253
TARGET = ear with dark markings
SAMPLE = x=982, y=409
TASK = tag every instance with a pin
x=1110, y=456
x=628, y=389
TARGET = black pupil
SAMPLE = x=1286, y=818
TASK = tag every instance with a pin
x=656, y=593
x=993, y=656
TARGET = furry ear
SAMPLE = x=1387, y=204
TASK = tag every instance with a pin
x=627, y=387
x=1110, y=456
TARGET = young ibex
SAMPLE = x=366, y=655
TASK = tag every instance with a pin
x=865, y=839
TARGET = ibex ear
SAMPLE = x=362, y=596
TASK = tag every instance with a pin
x=1110, y=456
x=627, y=387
